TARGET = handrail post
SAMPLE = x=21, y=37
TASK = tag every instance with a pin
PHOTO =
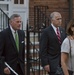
x=28, y=48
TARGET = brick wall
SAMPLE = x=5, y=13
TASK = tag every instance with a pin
x=61, y=6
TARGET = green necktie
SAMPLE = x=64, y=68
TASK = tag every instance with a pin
x=17, y=40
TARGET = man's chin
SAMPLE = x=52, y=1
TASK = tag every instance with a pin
x=18, y=28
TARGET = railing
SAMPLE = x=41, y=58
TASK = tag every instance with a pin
x=4, y=20
x=33, y=59
x=40, y=17
x=41, y=21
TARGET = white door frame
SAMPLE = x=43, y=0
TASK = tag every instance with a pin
x=23, y=9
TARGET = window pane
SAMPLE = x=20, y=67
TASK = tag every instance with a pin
x=15, y=1
x=21, y=1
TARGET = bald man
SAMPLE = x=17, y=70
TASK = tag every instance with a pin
x=50, y=43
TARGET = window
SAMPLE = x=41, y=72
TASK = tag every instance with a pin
x=15, y=1
x=18, y=1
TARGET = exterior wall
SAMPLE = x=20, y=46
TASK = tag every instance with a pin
x=6, y=6
x=22, y=9
x=10, y=8
x=61, y=6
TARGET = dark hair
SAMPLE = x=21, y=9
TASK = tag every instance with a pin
x=70, y=24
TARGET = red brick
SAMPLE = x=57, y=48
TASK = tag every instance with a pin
x=61, y=6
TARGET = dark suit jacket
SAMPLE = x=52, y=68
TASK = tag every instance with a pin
x=9, y=50
x=50, y=47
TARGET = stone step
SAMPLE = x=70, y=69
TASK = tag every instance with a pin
x=33, y=59
x=32, y=42
x=33, y=51
x=32, y=34
x=37, y=68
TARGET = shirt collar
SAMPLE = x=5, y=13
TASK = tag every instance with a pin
x=54, y=28
x=12, y=29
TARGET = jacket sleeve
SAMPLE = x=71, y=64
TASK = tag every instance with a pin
x=2, y=42
x=43, y=48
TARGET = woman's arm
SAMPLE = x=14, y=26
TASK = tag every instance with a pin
x=64, y=59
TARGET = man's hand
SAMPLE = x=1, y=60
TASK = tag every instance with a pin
x=6, y=70
x=47, y=68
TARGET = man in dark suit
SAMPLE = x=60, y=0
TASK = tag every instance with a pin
x=50, y=44
x=13, y=52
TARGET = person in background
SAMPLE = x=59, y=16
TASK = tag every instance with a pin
x=67, y=50
x=50, y=43
x=12, y=46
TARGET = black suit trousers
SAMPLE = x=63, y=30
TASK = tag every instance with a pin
x=51, y=73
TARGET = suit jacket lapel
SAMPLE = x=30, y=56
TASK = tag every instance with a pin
x=53, y=33
x=61, y=33
x=12, y=39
